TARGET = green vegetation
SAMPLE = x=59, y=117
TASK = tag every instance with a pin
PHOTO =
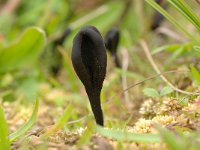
x=150, y=96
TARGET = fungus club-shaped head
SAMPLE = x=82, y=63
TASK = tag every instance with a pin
x=89, y=61
x=111, y=43
x=112, y=40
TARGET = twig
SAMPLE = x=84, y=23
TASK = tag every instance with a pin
x=140, y=82
x=149, y=57
x=125, y=62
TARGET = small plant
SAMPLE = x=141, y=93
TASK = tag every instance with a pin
x=150, y=92
x=111, y=43
x=89, y=61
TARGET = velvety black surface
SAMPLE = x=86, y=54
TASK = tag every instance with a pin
x=89, y=61
x=112, y=40
x=111, y=43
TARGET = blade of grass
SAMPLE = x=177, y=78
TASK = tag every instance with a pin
x=86, y=136
x=195, y=74
x=170, y=139
x=170, y=18
x=185, y=10
x=60, y=123
x=165, y=48
x=127, y=136
x=101, y=10
x=4, y=140
x=23, y=129
x=173, y=57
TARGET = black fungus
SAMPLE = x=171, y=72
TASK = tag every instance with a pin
x=89, y=61
x=157, y=21
x=64, y=35
x=158, y=18
x=111, y=43
x=57, y=57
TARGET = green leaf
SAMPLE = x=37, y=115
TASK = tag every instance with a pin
x=183, y=101
x=150, y=92
x=23, y=129
x=4, y=141
x=195, y=74
x=170, y=139
x=166, y=90
x=24, y=51
x=127, y=136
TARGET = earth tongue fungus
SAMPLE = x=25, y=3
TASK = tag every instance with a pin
x=89, y=61
x=157, y=17
x=60, y=40
x=57, y=57
x=111, y=43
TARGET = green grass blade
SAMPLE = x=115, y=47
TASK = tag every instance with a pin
x=60, y=123
x=127, y=136
x=195, y=74
x=170, y=18
x=165, y=48
x=170, y=139
x=174, y=57
x=22, y=130
x=185, y=10
x=129, y=74
x=86, y=136
x=4, y=140
x=102, y=18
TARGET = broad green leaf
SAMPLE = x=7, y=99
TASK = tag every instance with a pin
x=166, y=90
x=24, y=51
x=150, y=92
x=4, y=141
x=24, y=128
x=170, y=139
x=127, y=136
x=195, y=74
